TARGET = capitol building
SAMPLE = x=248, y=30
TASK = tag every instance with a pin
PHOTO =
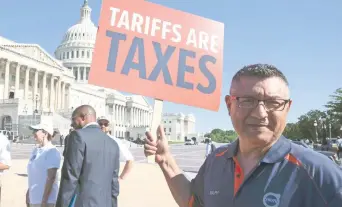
x=36, y=86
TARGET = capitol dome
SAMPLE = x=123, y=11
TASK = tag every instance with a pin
x=76, y=48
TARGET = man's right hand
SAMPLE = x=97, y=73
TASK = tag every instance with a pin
x=156, y=144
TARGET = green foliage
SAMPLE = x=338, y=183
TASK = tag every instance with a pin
x=221, y=136
x=304, y=128
x=334, y=106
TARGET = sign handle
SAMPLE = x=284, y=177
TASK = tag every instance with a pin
x=156, y=120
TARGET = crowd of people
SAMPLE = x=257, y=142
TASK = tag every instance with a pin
x=89, y=151
x=260, y=168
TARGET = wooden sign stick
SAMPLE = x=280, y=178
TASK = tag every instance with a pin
x=156, y=120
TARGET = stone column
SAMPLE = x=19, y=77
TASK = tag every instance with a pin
x=78, y=74
x=146, y=118
x=6, y=86
x=35, y=88
x=124, y=115
x=120, y=118
x=59, y=101
x=143, y=117
x=27, y=78
x=67, y=104
x=139, y=117
x=84, y=74
x=17, y=81
x=131, y=117
x=116, y=114
x=42, y=98
x=63, y=96
x=52, y=91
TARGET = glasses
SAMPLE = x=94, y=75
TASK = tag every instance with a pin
x=103, y=124
x=269, y=104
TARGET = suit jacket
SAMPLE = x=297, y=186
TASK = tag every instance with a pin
x=65, y=144
x=90, y=170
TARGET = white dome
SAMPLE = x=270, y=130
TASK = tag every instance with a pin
x=84, y=32
x=76, y=48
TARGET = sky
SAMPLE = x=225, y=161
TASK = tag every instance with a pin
x=302, y=38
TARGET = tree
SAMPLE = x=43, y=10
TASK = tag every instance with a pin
x=292, y=131
x=306, y=124
x=221, y=136
x=334, y=106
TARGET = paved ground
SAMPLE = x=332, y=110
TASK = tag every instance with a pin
x=188, y=157
x=144, y=187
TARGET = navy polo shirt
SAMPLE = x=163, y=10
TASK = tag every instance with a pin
x=289, y=175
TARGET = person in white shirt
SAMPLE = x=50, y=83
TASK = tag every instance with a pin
x=125, y=154
x=5, y=157
x=42, y=168
x=339, y=147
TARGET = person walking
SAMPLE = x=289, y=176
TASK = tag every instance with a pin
x=261, y=168
x=210, y=148
x=42, y=168
x=5, y=157
x=125, y=154
x=91, y=164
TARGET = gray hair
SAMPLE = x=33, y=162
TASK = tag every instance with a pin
x=260, y=71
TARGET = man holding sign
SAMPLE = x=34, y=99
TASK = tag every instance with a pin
x=262, y=168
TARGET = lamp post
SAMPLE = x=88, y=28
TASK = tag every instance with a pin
x=316, y=133
x=329, y=130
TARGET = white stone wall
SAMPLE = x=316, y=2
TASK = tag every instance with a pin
x=95, y=99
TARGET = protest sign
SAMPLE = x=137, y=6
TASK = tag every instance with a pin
x=151, y=50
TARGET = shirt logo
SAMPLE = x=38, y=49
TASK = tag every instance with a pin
x=271, y=200
x=214, y=192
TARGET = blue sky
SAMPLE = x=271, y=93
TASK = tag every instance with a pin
x=302, y=38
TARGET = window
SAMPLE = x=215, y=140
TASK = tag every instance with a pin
x=170, y=122
x=72, y=54
x=164, y=129
x=170, y=130
x=77, y=54
x=82, y=54
x=88, y=54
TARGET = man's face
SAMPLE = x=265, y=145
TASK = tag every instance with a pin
x=104, y=125
x=260, y=121
x=77, y=121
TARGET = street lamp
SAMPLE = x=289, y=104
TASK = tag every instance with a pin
x=316, y=133
x=329, y=130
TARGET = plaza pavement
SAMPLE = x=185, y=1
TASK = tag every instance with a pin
x=144, y=187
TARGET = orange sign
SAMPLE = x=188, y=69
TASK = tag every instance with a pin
x=150, y=50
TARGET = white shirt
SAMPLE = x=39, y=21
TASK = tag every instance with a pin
x=208, y=149
x=339, y=141
x=42, y=159
x=5, y=151
x=125, y=154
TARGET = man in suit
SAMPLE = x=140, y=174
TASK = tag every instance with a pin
x=66, y=140
x=91, y=164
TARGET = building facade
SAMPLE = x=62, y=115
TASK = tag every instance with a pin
x=35, y=86
x=179, y=127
